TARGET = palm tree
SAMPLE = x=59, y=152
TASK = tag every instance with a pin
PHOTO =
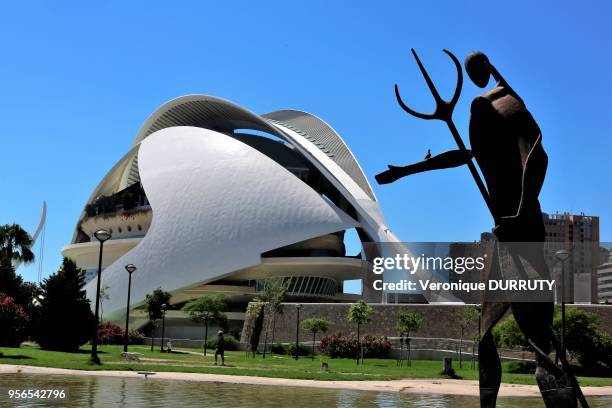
x=15, y=246
x=15, y=243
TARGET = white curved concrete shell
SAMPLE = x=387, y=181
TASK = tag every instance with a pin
x=217, y=199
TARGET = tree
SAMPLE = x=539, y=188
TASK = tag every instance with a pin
x=359, y=313
x=15, y=243
x=104, y=295
x=583, y=339
x=468, y=316
x=15, y=246
x=408, y=322
x=207, y=309
x=315, y=326
x=10, y=283
x=14, y=322
x=66, y=321
x=273, y=294
x=255, y=313
x=508, y=334
x=154, y=302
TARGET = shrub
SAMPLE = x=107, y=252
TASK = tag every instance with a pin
x=230, y=342
x=591, y=347
x=376, y=346
x=110, y=333
x=508, y=334
x=135, y=337
x=278, y=348
x=522, y=367
x=13, y=321
x=338, y=345
x=302, y=350
x=583, y=339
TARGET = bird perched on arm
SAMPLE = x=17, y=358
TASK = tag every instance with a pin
x=428, y=155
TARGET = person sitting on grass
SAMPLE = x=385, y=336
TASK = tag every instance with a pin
x=220, y=350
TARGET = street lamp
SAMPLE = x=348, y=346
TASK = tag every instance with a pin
x=101, y=235
x=164, y=306
x=562, y=256
x=297, y=330
x=130, y=268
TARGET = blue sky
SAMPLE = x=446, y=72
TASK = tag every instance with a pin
x=79, y=79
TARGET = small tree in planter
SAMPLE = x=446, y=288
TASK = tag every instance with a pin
x=207, y=309
x=408, y=322
x=359, y=313
x=315, y=326
x=154, y=302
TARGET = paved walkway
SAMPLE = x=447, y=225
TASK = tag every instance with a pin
x=415, y=386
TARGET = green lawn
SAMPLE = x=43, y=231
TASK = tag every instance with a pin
x=237, y=363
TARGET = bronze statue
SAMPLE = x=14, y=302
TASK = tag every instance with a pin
x=506, y=143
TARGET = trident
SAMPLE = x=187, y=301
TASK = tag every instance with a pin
x=444, y=112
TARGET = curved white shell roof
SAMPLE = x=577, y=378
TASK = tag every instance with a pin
x=217, y=205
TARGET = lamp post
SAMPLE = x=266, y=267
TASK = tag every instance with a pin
x=130, y=268
x=562, y=256
x=297, y=330
x=101, y=235
x=164, y=306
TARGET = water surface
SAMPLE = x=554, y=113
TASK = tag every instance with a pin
x=93, y=391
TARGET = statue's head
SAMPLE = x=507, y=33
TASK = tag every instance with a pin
x=478, y=68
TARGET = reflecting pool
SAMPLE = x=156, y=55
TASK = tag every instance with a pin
x=95, y=391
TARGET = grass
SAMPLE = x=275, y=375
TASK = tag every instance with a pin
x=237, y=363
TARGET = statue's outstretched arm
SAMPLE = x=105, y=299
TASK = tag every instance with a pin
x=446, y=160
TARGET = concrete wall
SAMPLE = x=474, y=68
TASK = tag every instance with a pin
x=439, y=321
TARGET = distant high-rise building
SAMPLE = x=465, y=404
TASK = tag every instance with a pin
x=604, y=281
x=578, y=234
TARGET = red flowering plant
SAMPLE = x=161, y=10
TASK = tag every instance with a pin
x=376, y=346
x=110, y=333
x=13, y=321
x=346, y=346
x=338, y=345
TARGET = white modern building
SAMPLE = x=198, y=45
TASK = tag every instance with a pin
x=213, y=198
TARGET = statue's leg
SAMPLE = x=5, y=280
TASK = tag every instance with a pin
x=489, y=365
x=535, y=320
